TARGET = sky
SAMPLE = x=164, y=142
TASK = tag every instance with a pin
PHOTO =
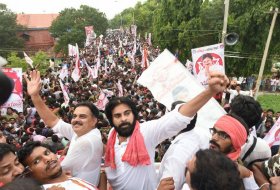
x=109, y=7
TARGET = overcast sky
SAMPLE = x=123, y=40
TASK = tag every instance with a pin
x=109, y=7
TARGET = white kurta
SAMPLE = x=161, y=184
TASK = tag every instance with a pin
x=84, y=155
x=180, y=152
x=127, y=177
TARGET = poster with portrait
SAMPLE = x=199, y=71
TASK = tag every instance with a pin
x=90, y=35
x=206, y=59
x=169, y=81
x=15, y=100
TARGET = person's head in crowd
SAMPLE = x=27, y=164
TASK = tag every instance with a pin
x=229, y=134
x=84, y=118
x=212, y=170
x=9, y=111
x=270, y=112
x=277, y=115
x=268, y=123
x=38, y=131
x=2, y=137
x=10, y=167
x=122, y=115
x=248, y=109
x=271, y=167
x=22, y=184
x=43, y=163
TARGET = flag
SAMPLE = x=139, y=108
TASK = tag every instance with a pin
x=145, y=61
x=51, y=63
x=90, y=35
x=65, y=94
x=28, y=60
x=102, y=101
x=91, y=71
x=169, y=81
x=63, y=72
x=273, y=135
x=150, y=39
x=76, y=74
x=71, y=50
x=120, y=88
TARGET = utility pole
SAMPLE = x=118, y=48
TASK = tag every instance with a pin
x=275, y=11
x=225, y=21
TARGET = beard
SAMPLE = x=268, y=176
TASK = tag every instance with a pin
x=125, y=129
x=226, y=151
x=57, y=174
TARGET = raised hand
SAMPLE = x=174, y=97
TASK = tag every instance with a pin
x=217, y=82
x=34, y=84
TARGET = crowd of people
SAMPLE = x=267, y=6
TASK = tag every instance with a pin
x=111, y=131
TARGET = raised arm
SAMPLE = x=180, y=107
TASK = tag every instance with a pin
x=33, y=89
x=217, y=82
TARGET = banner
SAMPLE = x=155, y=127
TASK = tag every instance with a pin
x=273, y=135
x=169, y=81
x=208, y=58
x=90, y=35
x=15, y=100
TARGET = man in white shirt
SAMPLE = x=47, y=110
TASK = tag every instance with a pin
x=181, y=151
x=86, y=148
x=46, y=169
x=130, y=149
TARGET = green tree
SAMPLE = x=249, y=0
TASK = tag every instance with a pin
x=69, y=26
x=40, y=61
x=14, y=61
x=8, y=30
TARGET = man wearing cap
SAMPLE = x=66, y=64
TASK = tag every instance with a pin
x=83, y=159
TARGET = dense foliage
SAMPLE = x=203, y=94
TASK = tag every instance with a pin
x=69, y=26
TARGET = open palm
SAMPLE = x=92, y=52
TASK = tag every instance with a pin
x=34, y=83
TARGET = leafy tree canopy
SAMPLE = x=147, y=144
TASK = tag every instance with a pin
x=8, y=30
x=69, y=26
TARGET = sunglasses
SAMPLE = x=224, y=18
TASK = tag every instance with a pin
x=221, y=134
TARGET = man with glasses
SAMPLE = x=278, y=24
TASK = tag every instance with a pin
x=229, y=134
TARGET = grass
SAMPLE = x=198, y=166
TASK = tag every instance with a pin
x=270, y=101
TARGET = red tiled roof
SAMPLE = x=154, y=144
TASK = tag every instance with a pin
x=36, y=20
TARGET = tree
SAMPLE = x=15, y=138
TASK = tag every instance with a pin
x=40, y=61
x=69, y=26
x=8, y=30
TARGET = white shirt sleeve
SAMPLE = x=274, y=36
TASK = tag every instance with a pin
x=63, y=128
x=250, y=183
x=169, y=125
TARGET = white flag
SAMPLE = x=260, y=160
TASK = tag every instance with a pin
x=28, y=60
x=63, y=72
x=273, y=135
x=76, y=74
x=65, y=94
x=71, y=50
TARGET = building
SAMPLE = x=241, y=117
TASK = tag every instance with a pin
x=36, y=33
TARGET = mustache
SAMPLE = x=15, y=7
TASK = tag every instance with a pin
x=214, y=143
x=50, y=163
x=77, y=122
x=125, y=123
